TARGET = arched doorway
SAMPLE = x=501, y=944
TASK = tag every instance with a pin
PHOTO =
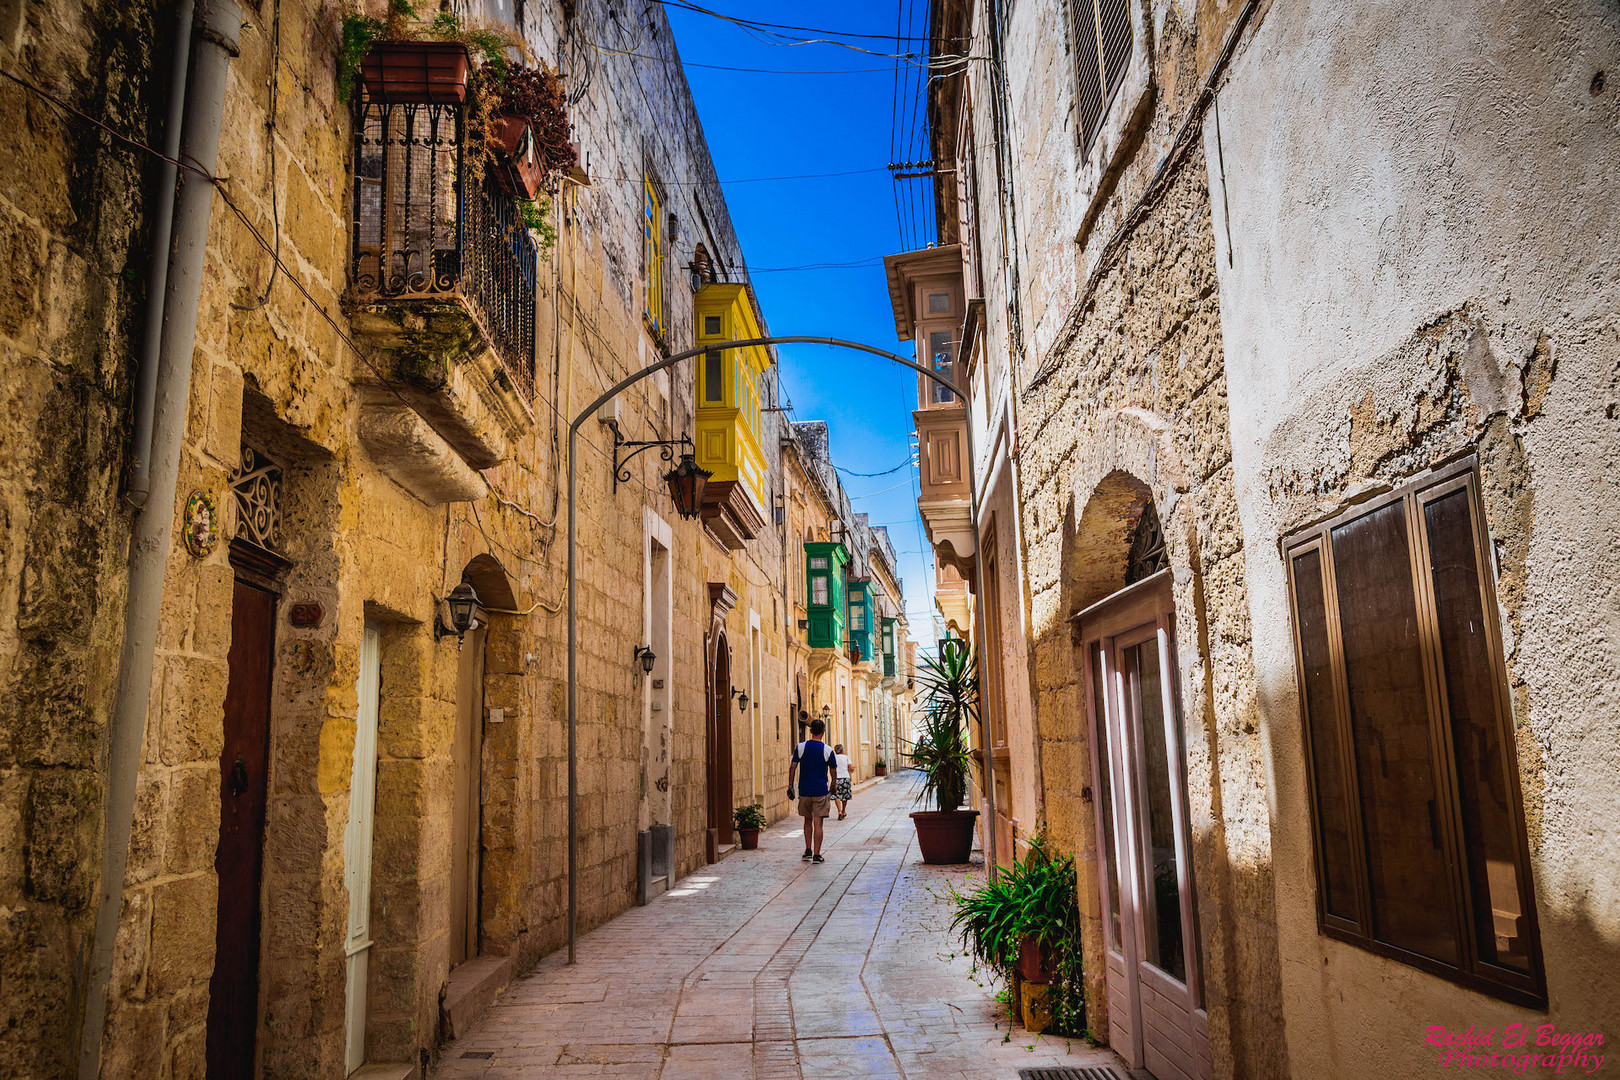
x=718, y=753
x=1125, y=630
x=717, y=748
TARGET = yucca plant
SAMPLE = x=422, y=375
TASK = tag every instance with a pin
x=950, y=686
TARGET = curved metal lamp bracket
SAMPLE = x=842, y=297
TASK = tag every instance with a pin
x=621, y=466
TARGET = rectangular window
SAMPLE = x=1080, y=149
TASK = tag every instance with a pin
x=818, y=562
x=939, y=349
x=713, y=377
x=1102, y=53
x=1420, y=846
x=857, y=616
x=652, y=257
x=818, y=588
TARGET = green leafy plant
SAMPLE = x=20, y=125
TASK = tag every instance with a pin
x=1037, y=897
x=536, y=216
x=487, y=44
x=880, y=764
x=751, y=816
x=950, y=687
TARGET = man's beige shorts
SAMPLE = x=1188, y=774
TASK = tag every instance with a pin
x=814, y=806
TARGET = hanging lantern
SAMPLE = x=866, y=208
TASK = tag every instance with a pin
x=686, y=482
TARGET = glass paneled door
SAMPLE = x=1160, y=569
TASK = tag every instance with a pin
x=1155, y=999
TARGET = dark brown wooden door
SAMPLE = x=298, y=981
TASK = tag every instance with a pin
x=719, y=749
x=233, y=1006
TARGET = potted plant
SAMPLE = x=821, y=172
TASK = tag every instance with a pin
x=748, y=821
x=950, y=704
x=527, y=127
x=879, y=768
x=1025, y=927
x=400, y=59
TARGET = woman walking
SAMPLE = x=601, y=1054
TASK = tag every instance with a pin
x=842, y=790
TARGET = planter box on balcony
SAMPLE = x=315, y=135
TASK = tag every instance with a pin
x=519, y=173
x=416, y=72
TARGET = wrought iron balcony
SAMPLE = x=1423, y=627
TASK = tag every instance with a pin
x=425, y=235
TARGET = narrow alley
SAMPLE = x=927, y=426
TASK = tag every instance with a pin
x=764, y=966
x=477, y=477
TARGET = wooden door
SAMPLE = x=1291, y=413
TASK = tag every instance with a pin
x=467, y=818
x=357, y=848
x=718, y=756
x=1155, y=1007
x=233, y=1003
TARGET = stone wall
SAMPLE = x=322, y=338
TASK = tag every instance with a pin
x=71, y=244
x=279, y=365
x=1114, y=346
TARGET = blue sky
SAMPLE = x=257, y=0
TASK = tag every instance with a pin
x=768, y=125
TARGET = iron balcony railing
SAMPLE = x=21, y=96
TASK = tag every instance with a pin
x=424, y=232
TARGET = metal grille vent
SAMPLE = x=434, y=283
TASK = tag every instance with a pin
x=1068, y=1073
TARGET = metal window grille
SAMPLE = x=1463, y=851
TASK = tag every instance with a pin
x=256, y=484
x=1114, y=26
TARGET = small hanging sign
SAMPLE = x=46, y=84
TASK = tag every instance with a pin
x=201, y=524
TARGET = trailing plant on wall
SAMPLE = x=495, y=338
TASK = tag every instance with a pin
x=536, y=94
x=536, y=215
x=1038, y=898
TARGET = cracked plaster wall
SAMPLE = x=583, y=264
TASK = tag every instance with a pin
x=1422, y=221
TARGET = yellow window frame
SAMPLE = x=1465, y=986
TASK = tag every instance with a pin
x=652, y=255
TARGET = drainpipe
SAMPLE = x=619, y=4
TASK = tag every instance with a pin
x=218, y=26
x=157, y=263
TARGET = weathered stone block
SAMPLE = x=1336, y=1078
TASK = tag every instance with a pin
x=183, y=912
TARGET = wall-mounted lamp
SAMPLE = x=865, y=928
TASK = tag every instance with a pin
x=686, y=482
x=742, y=699
x=462, y=602
x=647, y=657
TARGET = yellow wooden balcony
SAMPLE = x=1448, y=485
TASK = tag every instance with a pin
x=728, y=419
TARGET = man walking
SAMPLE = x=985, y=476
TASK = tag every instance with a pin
x=815, y=801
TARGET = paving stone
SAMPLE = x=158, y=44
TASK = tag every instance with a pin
x=764, y=967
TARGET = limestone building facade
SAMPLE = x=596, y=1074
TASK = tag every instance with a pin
x=347, y=818
x=1303, y=420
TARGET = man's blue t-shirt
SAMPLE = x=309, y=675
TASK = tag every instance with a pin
x=815, y=766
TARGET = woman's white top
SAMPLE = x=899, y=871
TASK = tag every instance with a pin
x=843, y=765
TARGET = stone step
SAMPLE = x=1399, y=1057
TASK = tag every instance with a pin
x=385, y=1070
x=471, y=989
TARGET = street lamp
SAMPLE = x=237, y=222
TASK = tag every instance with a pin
x=686, y=482
x=742, y=699
x=462, y=602
x=647, y=657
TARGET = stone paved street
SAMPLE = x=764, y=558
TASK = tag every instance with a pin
x=768, y=967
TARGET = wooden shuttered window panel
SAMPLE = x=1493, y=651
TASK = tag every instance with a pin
x=1102, y=53
x=1417, y=821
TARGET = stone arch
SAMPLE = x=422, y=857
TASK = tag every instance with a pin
x=1131, y=460
x=490, y=580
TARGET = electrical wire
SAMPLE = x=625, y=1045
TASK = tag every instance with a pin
x=910, y=460
x=686, y=5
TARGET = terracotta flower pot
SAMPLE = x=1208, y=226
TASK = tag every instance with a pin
x=520, y=172
x=416, y=72
x=944, y=836
x=749, y=838
x=1035, y=961
x=880, y=770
